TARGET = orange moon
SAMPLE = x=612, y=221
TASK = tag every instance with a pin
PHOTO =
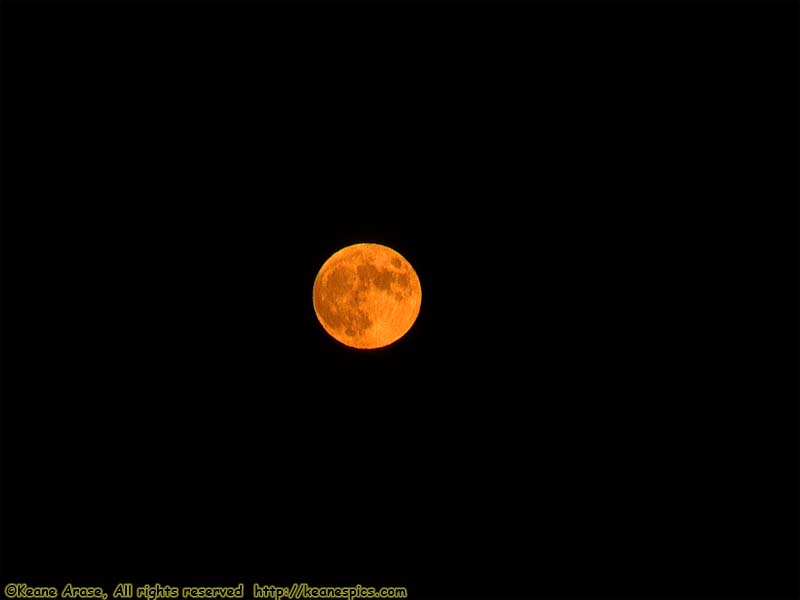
x=367, y=296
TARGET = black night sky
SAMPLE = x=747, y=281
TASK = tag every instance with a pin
x=598, y=398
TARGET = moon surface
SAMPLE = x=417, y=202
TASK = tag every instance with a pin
x=367, y=296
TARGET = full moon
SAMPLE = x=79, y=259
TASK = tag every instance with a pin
x=367, y=296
